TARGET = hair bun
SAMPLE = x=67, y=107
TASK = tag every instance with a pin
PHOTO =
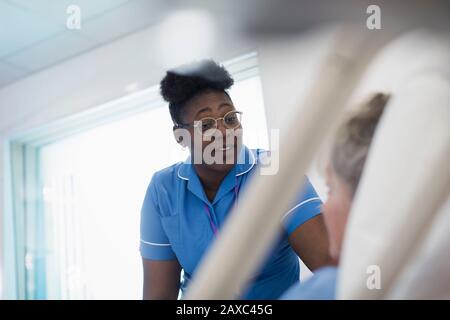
x=182, y=83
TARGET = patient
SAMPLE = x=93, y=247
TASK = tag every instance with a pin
x=343, y=171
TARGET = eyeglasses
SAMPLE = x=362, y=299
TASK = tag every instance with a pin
x=231, y=120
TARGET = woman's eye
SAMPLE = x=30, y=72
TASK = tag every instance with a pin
x=206, y=125
x=231, y=119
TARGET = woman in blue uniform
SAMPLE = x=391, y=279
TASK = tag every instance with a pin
x=187, y=203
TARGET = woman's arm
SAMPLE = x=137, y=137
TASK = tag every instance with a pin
x=161, y=279
x=310, y=242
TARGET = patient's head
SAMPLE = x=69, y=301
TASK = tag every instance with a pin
x=345, y=166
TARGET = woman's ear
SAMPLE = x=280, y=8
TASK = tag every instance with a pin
x=180, y=135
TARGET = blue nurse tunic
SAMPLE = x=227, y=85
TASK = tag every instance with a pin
x=178, y=222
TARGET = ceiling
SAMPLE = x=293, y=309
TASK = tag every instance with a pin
x=34, y=36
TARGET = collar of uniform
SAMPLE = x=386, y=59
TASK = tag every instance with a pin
x=246, y=161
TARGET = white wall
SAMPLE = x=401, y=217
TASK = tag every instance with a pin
x=289, y=68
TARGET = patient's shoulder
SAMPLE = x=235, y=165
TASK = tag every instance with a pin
x=321, y=286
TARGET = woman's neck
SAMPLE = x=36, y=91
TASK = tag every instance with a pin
x=210, y=179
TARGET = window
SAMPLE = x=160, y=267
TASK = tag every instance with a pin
x=83, y=181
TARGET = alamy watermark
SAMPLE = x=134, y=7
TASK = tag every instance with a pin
x=214, y=147
x=73, y=21
x=373, y=21
x=373, y=281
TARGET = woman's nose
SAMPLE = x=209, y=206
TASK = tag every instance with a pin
x=221, y=126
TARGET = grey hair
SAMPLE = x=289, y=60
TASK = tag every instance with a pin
x=353, y=139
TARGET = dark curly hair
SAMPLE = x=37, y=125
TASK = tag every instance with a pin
x=184, y=82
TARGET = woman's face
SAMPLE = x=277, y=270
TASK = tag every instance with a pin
x=336, y=210
x=223, y=141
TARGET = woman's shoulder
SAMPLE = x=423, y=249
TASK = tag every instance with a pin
x=167, y=174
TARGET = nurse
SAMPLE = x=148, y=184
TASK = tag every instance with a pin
x=186, y=204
